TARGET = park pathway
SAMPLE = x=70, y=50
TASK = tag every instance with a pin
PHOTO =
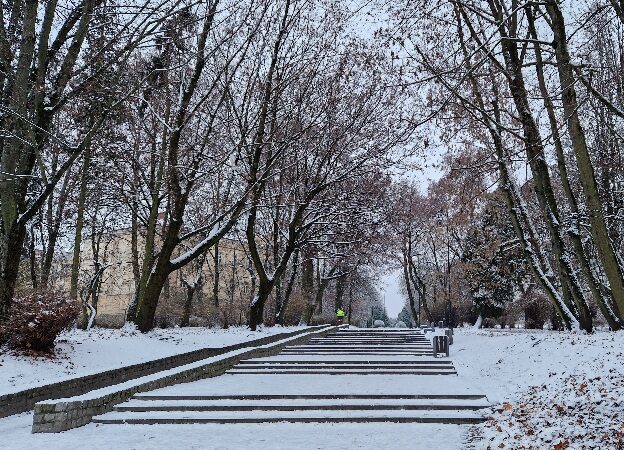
x=352, y=375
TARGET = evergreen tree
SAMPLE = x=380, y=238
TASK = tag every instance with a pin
x=493, y=261
x=405, y=316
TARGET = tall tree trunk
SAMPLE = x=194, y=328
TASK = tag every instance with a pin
x=151, y=229
x=517, y=211
x=420, y=287
x=188, y=303
x=54, y=218
x=148, y=301
x=29, y=121
x=32, y=258
x=281, y=313
x=157, y=275
x=425, y=304
x=408, y=278
x=134, y=229
x=82, y=196
x=321, y=287
x=603, y=299
x=340, y=287
x=587, y=177
x=349, y=312
x=12, y=244
x=14, y=156
x=256, y=312
x=307, y=288
x=541, y=177
x=217, y=276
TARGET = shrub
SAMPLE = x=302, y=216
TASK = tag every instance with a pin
x=35, y=321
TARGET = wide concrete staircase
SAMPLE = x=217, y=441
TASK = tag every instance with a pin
x=352, y=375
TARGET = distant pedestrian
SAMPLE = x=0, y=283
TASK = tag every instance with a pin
x=340, y=315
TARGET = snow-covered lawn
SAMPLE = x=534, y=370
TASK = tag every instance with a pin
x=86, y=352
x=556, y=390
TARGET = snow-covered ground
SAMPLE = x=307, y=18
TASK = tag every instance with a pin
x=555, y=390
x=86, y=352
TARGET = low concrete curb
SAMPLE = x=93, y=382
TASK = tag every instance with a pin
x=18, y=402
x=64, y=414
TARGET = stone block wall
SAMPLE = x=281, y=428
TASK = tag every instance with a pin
x=65, y=414
x=25, y=400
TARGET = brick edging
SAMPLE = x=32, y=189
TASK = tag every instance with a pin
x=65, y=414
x=22, y=401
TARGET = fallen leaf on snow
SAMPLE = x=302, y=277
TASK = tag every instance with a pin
x=562, y=445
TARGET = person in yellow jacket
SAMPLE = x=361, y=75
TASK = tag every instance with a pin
x=340, y=315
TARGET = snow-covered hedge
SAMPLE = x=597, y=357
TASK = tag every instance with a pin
x=36, y=320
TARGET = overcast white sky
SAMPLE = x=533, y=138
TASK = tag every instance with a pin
x=390, y=289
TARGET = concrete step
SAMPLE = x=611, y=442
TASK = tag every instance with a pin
x=356, y=354
x=268, y=365
x=363, y=350
x=140, y=405
x=363, y=344
x=333, y=362
x=363, y=357
x=339, y=372
x=362, y=347
x=338, y=367
x=377, y=330
x=314, y=416
x=371, y=351
x=353, y=348
x=349, y=352
x=373, y=338
x=369, y=342
x=341, y=345
x=149, y=396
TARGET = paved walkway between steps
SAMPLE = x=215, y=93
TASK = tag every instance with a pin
x=351, y=389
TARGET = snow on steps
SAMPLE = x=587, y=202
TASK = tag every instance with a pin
x=339, y=372
x=349, y=353
x=344, y=367
x=146, y=396
x=336, y=403
x=397, y=384
x=298, y=416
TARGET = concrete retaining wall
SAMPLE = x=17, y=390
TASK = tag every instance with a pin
x=25, y=400
x=64, y=414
